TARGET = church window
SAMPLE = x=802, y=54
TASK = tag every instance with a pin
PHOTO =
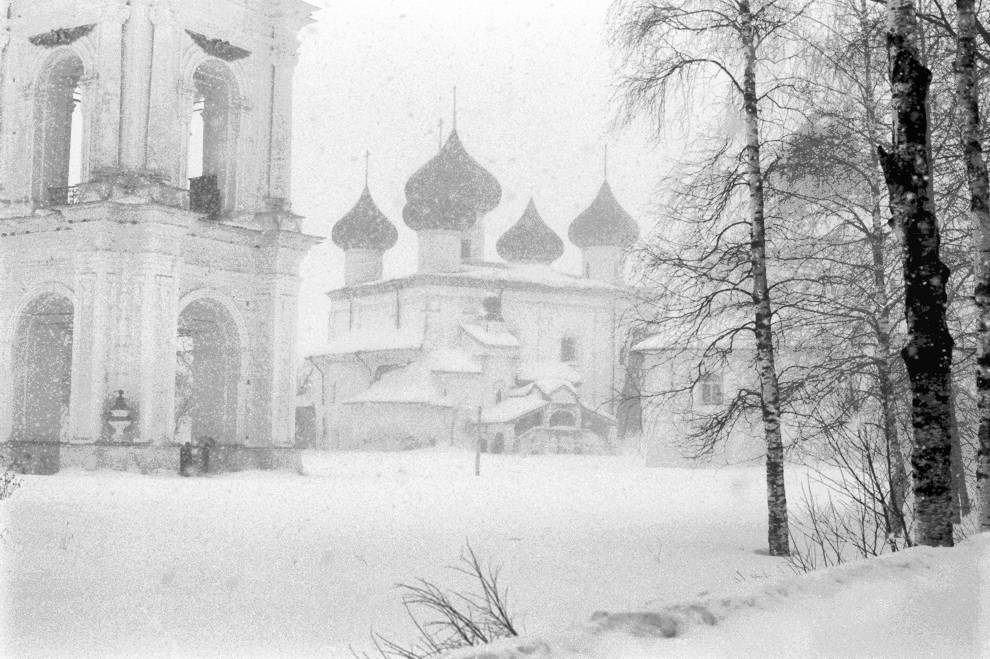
x=59, y=136
x=210, y=161
x=587, y=271
x=493, y=307
x=383, y=369
x=465, y=249
x=568, y=349
x=711, y=389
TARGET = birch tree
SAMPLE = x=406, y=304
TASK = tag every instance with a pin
x=669, y=43
x=967, y=89
x=928, y=353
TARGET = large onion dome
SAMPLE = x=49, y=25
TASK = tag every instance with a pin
x=450, y=191
x=604, y=223
x=530, y=240
x=364, y=227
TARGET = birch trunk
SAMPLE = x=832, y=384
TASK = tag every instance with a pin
x=928, y=353
x=897, y=479
x=770, y=392
x=979, y=207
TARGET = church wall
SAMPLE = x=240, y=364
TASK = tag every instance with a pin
x=668, y=420
x=395, y=426
x=539, y=319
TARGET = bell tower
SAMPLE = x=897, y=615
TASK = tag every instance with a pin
x=147, y=242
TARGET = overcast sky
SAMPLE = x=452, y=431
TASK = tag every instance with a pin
x=534, y=87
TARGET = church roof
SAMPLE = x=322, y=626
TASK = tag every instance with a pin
x=364, y=227
x=604, y=223
x=450, y=190
x=530, y=240
x=512, y=408
x=412, y=384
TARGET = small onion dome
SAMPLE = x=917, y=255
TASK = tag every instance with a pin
x=604, y=223
x=364, y=227
x=450, y=191
x=530, y=240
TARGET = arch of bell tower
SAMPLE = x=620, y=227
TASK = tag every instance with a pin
x=126, y=240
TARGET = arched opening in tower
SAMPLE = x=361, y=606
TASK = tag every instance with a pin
x=59, y=141
x=209, y=163
x=43, y=371
x=207, y=374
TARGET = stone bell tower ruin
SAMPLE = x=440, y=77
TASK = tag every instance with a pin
x=147, y=243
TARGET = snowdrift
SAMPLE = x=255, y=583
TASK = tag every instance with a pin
x=923, y=602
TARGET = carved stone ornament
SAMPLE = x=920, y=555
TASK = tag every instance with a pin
x=218, y=47
x=62, y=36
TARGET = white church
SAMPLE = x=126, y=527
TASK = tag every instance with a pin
x=515, y=355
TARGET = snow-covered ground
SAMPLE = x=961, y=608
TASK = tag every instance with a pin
x=281, y=564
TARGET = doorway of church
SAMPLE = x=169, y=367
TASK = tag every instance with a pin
x=41, y=383
x=207, y=374
x=43, y=370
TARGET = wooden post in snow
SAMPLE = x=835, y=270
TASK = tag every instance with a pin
x=477, y=445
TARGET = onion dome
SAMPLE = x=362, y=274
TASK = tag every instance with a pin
x=364, y=227
x=450, y=191
x=604, y=223
x=530, y=240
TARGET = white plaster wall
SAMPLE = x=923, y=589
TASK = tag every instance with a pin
x=439, y=251
x=393, y=426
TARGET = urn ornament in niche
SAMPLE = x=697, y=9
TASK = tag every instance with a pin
x=121, y=417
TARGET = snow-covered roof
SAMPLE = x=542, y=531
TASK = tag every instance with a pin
x=545, y=386
x=492, y=335
x=364, y=341
x=412, y=384
x=534, y=371
x=512, y=408
x=650, y=343
x=453, y=360
x=490, y=275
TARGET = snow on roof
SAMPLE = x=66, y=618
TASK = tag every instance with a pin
x=533, y=273
x=453, y=360
x=545, y=386
x=414, y=383
x=650, y=343
x=365, y=341
x=509, y=275
x=512, y=408
x=534, y=371
x=493, y=335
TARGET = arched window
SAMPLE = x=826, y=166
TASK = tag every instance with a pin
x=568, y=349
x=210, y=158
x=59, y=130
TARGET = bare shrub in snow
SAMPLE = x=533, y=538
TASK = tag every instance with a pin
x=854, y=505
x=451, y=619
